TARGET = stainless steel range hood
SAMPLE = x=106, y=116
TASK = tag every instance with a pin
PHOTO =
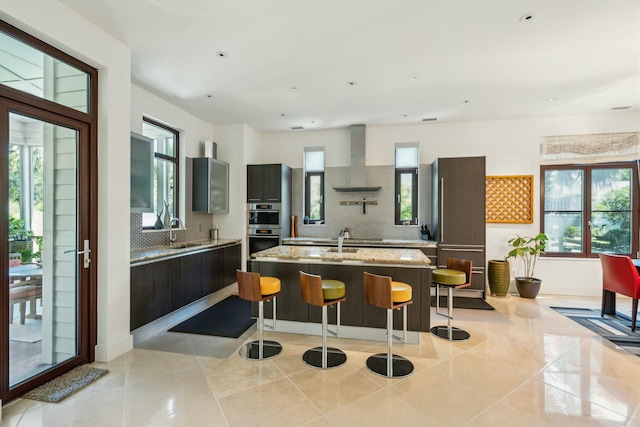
x=358, y=173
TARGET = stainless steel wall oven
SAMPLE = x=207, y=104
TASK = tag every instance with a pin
x=264, y=226
x=264, y=215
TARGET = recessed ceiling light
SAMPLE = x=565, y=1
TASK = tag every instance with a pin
x=527, y=17
x=552, y=99
x=294, y=88
x=466, y=101
x=209, y=95
x=626, y=107
x=221, y=54
x=297, y=128
x=413, y=77
x=351, y=83
x=430, y=119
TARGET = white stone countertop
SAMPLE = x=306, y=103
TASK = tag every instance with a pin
x=409, y=257
x=362, y=241
x=177, y=249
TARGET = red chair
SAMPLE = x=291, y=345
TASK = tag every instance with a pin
x=619, y=276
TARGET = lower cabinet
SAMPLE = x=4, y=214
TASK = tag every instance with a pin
x=355, y=310
x=160, y=287
x=151, y=291
x=188, y=285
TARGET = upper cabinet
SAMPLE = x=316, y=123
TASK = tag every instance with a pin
x=141, y=173
x=210, y=186
x=268, y=183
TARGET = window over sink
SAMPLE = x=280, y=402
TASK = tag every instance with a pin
x=165, y=170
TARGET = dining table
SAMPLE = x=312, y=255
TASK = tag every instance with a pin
x=25, y=285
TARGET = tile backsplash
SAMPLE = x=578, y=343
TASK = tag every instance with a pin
x=197, y=224
x=378, y=221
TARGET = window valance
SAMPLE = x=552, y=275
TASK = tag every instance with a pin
x=594, y=148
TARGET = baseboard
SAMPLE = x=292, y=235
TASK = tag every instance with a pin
x=107, y=353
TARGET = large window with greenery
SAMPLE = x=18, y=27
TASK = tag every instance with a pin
x=165, y=170
x=406, y=184
x=314, y=185
x=590, y=209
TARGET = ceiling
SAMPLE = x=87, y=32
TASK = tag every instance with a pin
x=280, y=64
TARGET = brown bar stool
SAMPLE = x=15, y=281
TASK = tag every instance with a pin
x=457, y=275
x=323, y=293
x=381, y=291
x=254, y=288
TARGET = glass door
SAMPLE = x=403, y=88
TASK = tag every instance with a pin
x=47, y=256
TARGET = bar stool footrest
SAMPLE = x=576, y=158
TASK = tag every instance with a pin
x=251, y=350
x=457, y=334
x=402, y=367
x=313, y=357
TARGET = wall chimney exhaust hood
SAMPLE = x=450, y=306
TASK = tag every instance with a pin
x=358, y=173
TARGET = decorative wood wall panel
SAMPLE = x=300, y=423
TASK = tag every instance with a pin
x=509, y=199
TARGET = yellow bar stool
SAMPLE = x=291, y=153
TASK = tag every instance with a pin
x=252, y=287
x=381, y=291
x=457, y=275
x=323, y=293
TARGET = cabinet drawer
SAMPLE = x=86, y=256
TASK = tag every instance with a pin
x=475, y=254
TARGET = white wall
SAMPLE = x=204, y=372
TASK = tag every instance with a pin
x=64, y=29
x=511, y=148
x=193, y=131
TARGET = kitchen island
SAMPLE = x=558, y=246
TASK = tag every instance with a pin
x=411, y=266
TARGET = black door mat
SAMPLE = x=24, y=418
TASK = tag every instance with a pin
x=228, y=318
x=66, y=384
x=616, y=329
x=464, y=302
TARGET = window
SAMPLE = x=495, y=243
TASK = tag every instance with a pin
x=165, y=170
x=31, y=70
x=590, y=209
x=314, y=185
x=406, y=188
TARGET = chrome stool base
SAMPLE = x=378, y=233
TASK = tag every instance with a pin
x=251, y=350
x=401, y=367
x=313, y=357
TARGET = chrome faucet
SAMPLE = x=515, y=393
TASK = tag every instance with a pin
x=344, y=234
x=174, y=236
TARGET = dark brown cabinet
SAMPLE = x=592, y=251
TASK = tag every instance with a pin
x=160, y=287
x=459, y=213
x=269, y=183
x=211, y=267
x=151, y=291
x=188, y=286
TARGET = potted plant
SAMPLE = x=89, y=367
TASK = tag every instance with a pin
x=528, y=248
x=21, y=240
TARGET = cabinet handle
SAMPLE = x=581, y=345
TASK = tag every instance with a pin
x=461, y=250
x=275, y=200
x=442, y=209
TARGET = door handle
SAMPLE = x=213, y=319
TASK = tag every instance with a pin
x=84, y=252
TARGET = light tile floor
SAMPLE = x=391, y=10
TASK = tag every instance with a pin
x=525, y=365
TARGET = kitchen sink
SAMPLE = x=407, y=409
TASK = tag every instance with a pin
x=185, y=245
x=345, y=250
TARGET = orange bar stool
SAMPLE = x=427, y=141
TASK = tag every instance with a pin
x=381, y=291
x=457, y=275
x=258, y=289
x=323, y=293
